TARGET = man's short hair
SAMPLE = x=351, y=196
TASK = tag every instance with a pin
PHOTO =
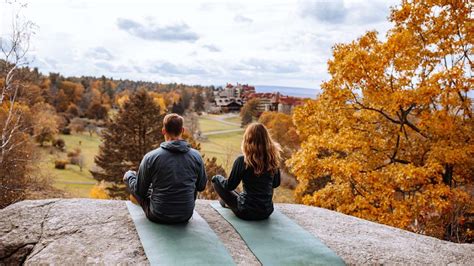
x=173, y=124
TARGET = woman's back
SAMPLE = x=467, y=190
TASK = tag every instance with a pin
x=257, y=191
x=258, y=170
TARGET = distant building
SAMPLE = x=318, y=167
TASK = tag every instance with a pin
x=231, y=99
x=246, y=91
x=276, y=102
x=230, y=92
x=265, y=101
x=230, y=104
x=286, y=104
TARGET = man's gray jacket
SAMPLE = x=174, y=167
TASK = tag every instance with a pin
x=175, y=172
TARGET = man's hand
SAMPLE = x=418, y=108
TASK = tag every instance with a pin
x=128, y=174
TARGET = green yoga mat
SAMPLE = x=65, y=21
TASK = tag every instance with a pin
x=193, y=243
x=280, y=241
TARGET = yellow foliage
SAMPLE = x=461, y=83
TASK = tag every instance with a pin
x=45, y=122
x=281, y=128
x=159, y=100
x=99, y=191
x=172, y=97
x=391, y=137
x=122, y=99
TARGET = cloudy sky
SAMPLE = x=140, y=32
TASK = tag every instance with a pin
x=285, y=43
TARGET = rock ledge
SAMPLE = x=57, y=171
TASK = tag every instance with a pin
x=80, y=231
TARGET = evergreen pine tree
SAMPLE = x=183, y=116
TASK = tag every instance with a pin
x=133, y=132
x=198, y=102
x=186, y=98
x=178, y=108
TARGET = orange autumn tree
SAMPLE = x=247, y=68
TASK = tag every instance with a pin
x=281, y=128
x=392, y=136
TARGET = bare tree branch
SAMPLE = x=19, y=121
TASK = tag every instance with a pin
x=14, y=50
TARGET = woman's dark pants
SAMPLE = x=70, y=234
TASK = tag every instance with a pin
x=231, y=199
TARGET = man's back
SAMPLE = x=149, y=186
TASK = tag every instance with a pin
x=177, y=173
x=174, y=172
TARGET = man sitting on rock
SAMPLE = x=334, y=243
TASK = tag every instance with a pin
x=169, y=177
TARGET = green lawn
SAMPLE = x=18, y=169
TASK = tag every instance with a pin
x=77, y=183
x=89, y=146
x=225, y=147
x=235, y=119
x=207, y=125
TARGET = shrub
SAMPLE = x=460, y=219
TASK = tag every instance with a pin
x=59, y=144
x=212, y=169
x=74, y=153
x=60, y=164
x=66, y=131
x=76, y=158
x=99, y=191
x=78, y=125
x=73, y=110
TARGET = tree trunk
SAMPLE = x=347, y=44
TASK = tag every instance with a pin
x=448, y=175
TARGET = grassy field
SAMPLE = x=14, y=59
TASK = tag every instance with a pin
x=234, y=119
x=226, y=146
x=76, y=182
x=208, y=124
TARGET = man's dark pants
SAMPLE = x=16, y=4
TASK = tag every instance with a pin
x=145, y=203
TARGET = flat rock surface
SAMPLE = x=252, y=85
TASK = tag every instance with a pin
x=359, y=241
x=86, y=231
x=76, y=231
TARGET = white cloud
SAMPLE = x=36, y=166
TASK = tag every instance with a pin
x=259, y=66
x=110, y=68
x=211, y=48
x=242, y=19
x=340, y=11
x=100, y=53
x=170, y=33
x=168, y=68
x=275, y=42
x=329, y=11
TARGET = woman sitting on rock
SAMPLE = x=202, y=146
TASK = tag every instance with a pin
x=258, y=169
